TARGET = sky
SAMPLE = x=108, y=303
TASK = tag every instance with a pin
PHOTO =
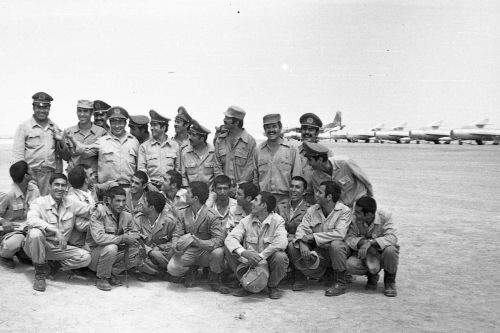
x=375, y=61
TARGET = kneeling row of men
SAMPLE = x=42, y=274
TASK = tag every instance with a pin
x=172, y=237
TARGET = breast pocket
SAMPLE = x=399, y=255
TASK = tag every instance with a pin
x=209, y=167
x=34, y=141
x=18, y=211
x=108, y=157
x=240, y=157
x=191, y=168
x=263, y=166
x=67, y=221
x=222, y=155
x=132, y=158
x=153, y=161
x=285, y=165
x=170, y=161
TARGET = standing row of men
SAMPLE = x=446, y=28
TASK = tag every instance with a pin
x=273, y=173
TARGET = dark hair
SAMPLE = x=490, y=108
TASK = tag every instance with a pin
x=142, y=176
x=332, y=188
x=76, y=177
x=200, y=190
x=175, y=177
x=300, y=179
x=240, y=121
x=367, y=204
x=57, y=175
x=85, y=166
x=114, y=191
x=143, y=127
x=18, y=170
x=157, y=200
x=269, y=200
x=221, y=179
x=249, y=189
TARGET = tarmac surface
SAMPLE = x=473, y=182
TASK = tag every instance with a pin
x=445, y=203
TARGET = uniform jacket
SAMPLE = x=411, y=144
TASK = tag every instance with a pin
x=207, y=227
x=44, y=212
x=274, y=172
x=236, y=214
x=94, y=133
x=265, y=240
x=157, y=158
x=36, y=145
x=129, y=205
x=238, y=162
x=199, y=168
x=158, y=234
x=292, y=217
x=109, y=230
x=324, y=229
x=349, y=175
x=79, y=233
x=14, y=205
x=382, y=230
x=117, y=158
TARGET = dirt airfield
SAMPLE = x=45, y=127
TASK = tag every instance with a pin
x=445, y=201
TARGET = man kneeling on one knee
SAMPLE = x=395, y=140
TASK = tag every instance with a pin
x=320, y=236
x=197, y=240
x=373, y=236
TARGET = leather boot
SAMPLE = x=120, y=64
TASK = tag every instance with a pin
x=40, y=273
x=215, y=284
x=371, y=284
x=340, y=286
x=102, y=284
x=299, y=281
x=390, y=284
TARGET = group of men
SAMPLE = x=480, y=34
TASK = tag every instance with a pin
x=249, y=214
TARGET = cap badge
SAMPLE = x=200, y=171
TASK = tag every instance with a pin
x=117, y=111
x=309, y=120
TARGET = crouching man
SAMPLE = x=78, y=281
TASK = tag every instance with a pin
x=198, y=240
x=51, y=219
x=156, y=228
x=321, y=235
x=113, y=242
x=260, y=236
x=373, y=238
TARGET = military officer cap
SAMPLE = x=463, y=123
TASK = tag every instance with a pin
x=183, y=114
x=196, y=128
x=235, y=112
x=85, y=104
x=100, y=106
x=310, y=119
x=158, y=118
x=314, y=149
x=42, y=99
x=139, y=120
x=272, y=118
x=117, y=112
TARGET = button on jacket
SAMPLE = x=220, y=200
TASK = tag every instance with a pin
x=238, y=162
x=87, y=138
x=14, y=205
x=265, y=238
x=325, y=229
x=199, y=168
x=36, y=145
x=349, y=176
x=117, y=158
x=157, y=158
x=381, y=230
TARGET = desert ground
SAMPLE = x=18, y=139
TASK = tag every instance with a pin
x=445, y=202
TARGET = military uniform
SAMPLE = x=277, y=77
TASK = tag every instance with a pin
x=117, y=157
x=138, y=121
x=79, y=233
x=14, y=206
x=156, y=158
x=183, y=115
x=205, y=225
x=236, y=160
x=129, y=202
x=311, y=120
x=101, y=107
x=293, y=217
x=37, y=146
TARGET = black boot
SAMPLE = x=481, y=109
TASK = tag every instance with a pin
x=214, y=281
x=299, y=281
x=371, y=284
x=340, y=286
x=390, y=284
x=40, y=273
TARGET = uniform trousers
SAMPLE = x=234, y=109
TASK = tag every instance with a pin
x=107, y=259
x=376, y=259
x=195, y=256
x=11, y=244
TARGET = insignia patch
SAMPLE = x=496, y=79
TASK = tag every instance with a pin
x=344, y=180
x=41, y=97
x=309, y=120
x=117, y=111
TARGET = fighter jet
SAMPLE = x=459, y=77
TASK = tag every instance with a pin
x=398, y=133
x=334, y=130
x=365, y=135
x=477, y=132
x=433, y=132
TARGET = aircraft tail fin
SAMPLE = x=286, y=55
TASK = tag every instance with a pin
x=378, y=127
x=337, y=122
x=481, y=122
x=400, y=126
x=436, y=124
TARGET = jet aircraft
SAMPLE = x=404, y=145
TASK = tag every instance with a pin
x=398, y=133
x=476, y=132
x=433, y=132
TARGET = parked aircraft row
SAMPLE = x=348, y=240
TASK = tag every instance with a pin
x=479, y=131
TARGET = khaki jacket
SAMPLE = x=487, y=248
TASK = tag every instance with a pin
x=157, y=158
x=158, y=234
x=292, y=217
x=108, y=230
x=382, y=230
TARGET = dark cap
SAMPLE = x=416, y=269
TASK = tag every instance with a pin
x=100, y=106
x=314, y=149
x=310, y=119
x=85, y=104
x=183, y=114
x=42, y=98
x=272, y=118
x=158, y=118
x=117, y=112
x=196, y=128
x=235, y=112
x=139, y=120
